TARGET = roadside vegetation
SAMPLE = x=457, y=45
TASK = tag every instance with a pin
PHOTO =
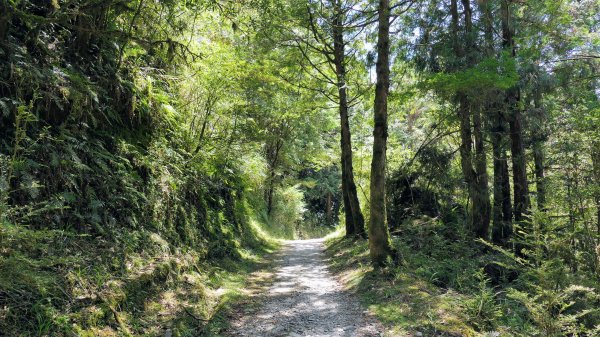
x=447, y=286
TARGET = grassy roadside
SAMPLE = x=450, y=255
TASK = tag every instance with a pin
x=452, y=285
x=56, y=283
x=242, y=295
x=406, y=304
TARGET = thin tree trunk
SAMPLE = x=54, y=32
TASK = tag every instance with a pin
x=379, y=237
x=520, y=188
x=502, y=223
x=208, y=109
x=540, y=183
x=596, y=178
x=355, y=222
x=5, y=20
x=466, y=143
x=539, y=137
x=270, y=192
x=596, y=170
x=538, y=156
x=329, y=209
x=273, y=159
x=507, y=207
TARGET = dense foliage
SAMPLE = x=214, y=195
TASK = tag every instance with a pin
x=143, y=143
x=137, y=141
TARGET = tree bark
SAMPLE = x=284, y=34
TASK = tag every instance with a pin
x=520, y=188
x=502, y=206
x=538, y=159
x=596, y=170
x=480, y=211
x=272, y=154
x=481, y=198
x=474, y=167
x=517, y=148
x=502, y=209
x=349, y=223
x=466, y=143
x=355, y=222
x=5, y=20
x=539, y=137
x=379, y=237
x=329, y=209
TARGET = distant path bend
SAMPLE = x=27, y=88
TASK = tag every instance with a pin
x=306, y=300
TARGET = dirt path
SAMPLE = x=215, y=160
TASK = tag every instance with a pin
x=306, y=300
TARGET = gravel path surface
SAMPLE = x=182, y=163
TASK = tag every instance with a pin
x=306, y=300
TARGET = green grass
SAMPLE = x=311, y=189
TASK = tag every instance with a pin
x=404, y=302
x=53, y=283
x=442, y=288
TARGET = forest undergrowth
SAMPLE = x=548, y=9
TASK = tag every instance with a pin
x=445, y=285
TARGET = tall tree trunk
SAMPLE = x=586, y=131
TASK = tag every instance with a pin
x=481, y=198
x=355, y=222
x=464, y=114
x=538, y=159
x=507, y=207
x=475, y=177
x=502, y=206
x=269, y=194
x=454, y=28
x=466, y=163
x=517, y=148
x=379, y=237
x=5, y=20
x=520, y=188
x=539, y=137
x=466, y=146
x=502, y=224
x=353, y=206
x=480, y=211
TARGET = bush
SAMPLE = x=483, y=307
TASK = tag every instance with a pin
x=481, y=309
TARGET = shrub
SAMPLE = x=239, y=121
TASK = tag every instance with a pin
x=482, y=309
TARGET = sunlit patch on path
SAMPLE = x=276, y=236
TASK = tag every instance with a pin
x=306, y=300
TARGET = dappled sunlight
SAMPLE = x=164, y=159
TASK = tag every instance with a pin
x=305, y=300
x=400, y=300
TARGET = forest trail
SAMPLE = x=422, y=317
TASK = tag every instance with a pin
x=305, y=299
